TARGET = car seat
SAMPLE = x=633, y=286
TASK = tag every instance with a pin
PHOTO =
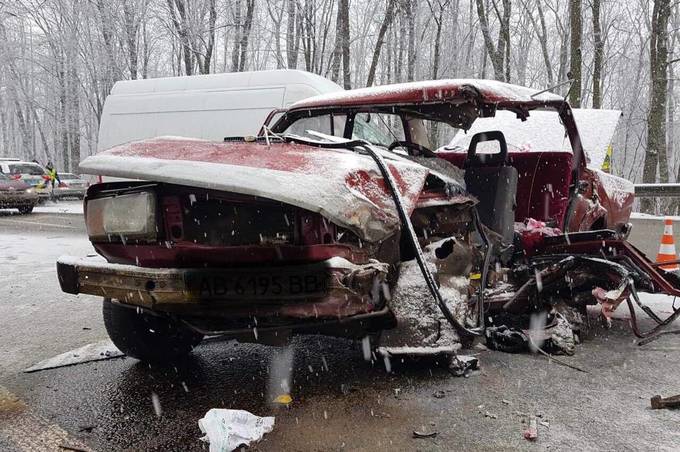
x=493, y=182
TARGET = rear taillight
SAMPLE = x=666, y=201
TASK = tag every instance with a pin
x=63, y=185
x=15, y=176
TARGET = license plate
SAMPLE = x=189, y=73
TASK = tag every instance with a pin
x=237, y=285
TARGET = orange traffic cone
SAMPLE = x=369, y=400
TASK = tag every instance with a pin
x=667, y=247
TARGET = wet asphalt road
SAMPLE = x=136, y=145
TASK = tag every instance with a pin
x=347, y=405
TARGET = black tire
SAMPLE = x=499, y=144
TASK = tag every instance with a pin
x=25, y=210
x=147, y=337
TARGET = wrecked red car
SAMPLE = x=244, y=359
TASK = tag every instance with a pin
x=352, y=216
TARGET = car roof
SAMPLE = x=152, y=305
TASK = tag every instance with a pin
x=21, y=162
x=432, y=91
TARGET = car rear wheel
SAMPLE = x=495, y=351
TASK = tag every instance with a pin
x=25, y=210
x=147, y=337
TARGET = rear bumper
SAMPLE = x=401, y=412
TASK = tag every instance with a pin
x=17, y=199
x=71, y=191
x=349, y=289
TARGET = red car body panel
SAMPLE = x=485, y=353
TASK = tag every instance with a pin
x=342, y=185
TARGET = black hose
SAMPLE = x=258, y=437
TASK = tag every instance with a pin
x=410, y=232
x=420, y=258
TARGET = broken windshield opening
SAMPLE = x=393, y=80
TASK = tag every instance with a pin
x=328, y=124
x=378, y=128
x=542, y=131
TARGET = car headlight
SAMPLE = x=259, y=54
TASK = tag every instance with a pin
x=29, y=190
x=129, y=216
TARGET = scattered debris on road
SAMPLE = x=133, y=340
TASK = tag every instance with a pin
x=417, y=434
x=91, y=352
x=283, y=399
x=226, y=430
x=490, y=415
x=439, y=394
x=531, y=433
x=461, y=365
x=72, y=447
x=659, y=402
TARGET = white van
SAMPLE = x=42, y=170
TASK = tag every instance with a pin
x=202, y=106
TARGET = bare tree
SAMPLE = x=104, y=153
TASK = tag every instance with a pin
x=656, y=122
x=387, y=21
x=576, y=26
x=344, y=31
x=598, y=55
x=292, y=35
x=499, y=53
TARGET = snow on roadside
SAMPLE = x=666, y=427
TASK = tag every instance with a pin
x=64, y=207
x=646, y=216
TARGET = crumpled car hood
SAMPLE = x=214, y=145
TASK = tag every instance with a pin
x=343, y=186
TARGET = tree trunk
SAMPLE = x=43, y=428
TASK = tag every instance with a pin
x=235, y=52
x=343, y=5
x=387, y=20
x=505, y=33
x=212, y=19
x=495, y=55
x=245, y=35
x=656, y=120
x=598, y=57
x=131, y=30
x=410, y=7
x=181, y=28
x=575, y=21
x=292, y=45
x=337, y=48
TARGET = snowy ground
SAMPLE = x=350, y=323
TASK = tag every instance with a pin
x=61, y=207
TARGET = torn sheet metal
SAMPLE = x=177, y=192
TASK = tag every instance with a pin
x=91, y=352
x=339, y=184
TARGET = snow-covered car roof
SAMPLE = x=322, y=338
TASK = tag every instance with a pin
x=542, y=131
x=491, y=91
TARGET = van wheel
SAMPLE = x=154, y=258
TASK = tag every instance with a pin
x=147, y=337
x=25, y=210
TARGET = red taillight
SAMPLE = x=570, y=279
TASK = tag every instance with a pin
x=15, y=176
x=63, y=185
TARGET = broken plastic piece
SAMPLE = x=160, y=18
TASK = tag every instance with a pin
x=226, y=430
x=283, y=399
x=90, y=352
x=417, y=434
x=531, y=433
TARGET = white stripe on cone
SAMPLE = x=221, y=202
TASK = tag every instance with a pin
x=667, y=249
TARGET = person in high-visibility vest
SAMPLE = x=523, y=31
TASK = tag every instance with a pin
x=53, y=178
x=607, y=164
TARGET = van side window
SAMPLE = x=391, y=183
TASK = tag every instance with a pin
x=326, y=124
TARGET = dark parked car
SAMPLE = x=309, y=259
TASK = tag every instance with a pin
x=16, y=194
x=341, y=219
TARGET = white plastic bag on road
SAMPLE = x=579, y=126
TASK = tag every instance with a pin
x=226, y=430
